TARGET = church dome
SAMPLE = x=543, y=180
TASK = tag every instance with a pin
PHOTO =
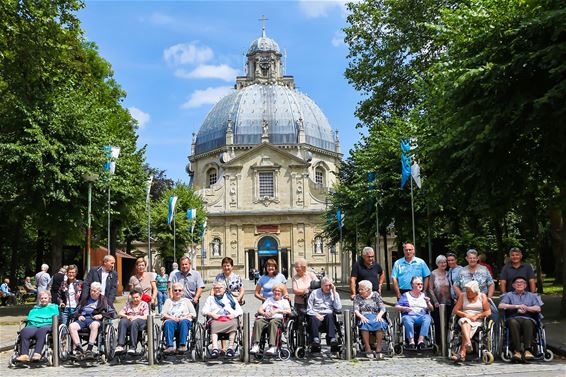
x=263, y=43
x=284, y=109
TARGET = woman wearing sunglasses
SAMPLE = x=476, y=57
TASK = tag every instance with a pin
x=178, y=314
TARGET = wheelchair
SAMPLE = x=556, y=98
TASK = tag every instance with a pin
x=46, y=353
x=298, y=329
x=400, y=338
x=193, y=352
x=387, y=343
x=106, y=342
x=483, y=342
x=281, y=342
x=204, y=345
x=540, y=349
x=143, y=352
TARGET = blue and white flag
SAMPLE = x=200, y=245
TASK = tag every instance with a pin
x=203, y=228
x=340, y=218
x=416, y=174
x=171, y=213
x=112, y=153
x=148, y=188
x=371, y=178
x=405, y=145
x=192, y=216
x=405, y=169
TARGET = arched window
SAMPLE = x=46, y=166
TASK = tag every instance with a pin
x=319, y=176
x=212, y=176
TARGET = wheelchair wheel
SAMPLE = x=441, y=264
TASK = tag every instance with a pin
x=300, y=352
x=157, y=351
x=548, y=355
x=49, y=357
x=487, y=358
x=199, y=335
x=65, y=345
x=110, y=342
x=506, y=355
x=284, y=354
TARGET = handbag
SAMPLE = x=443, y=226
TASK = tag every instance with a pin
x=145, y=297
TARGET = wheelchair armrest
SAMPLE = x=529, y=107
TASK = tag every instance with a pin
x=338, y=312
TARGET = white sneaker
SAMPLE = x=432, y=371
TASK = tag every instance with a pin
x=119, y=349
x=255, y=348
x=271, y=351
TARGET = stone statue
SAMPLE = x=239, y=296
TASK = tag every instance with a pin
x=318, y=245
x=216, y=248
x=265, y=128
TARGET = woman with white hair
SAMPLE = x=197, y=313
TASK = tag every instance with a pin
x=415, y=308
x=472, y=307
x=302, y=283
x=222, y=309
x=369, y=310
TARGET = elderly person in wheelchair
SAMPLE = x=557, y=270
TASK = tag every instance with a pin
x=369, y=310
x=472, y=307
x=133, y=320
x=90, y=312
x=415, y=308
x=270, y=315
x=222, y=311
x=522, y=309
x=39, y=322
x=178, y=313
x=321, y=306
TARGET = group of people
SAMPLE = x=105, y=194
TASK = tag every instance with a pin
x=466, y=291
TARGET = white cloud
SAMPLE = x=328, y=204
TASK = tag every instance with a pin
x=338, y=39
x=208, y=96
x=161, y=19
x=142, y=117
x=205, y=71
x=184, y=53
x=317, y=8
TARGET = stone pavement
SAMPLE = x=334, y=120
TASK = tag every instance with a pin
x=398, y=366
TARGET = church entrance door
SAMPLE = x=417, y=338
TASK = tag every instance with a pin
x=268, y=247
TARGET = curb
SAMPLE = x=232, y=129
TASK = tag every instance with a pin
x=557, y=349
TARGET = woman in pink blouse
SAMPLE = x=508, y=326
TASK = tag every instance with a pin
x=301, y=284
x=133, y=319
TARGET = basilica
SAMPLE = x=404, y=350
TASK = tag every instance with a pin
x=264, y=161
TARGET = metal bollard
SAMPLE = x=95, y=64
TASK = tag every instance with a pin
x=150, y=345
x=55, y=336
x=348, y=333
x=246, y=336
x=442, y=315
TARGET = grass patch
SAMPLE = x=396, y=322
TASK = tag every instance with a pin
x=551, y=288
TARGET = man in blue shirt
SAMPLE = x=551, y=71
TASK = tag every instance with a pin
x=406, y=268
x=522, y=309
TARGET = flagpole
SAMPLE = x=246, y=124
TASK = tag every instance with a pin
x=108, y=217
x=412, y=209
x=336, y=252
x=378, y=246
x=174, y=238
x=149, y=236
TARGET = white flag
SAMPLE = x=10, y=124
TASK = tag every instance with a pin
x=416, y=173
x=149, y=182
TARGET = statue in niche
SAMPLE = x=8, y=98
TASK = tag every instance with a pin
x=318, y=245
x=216, y=248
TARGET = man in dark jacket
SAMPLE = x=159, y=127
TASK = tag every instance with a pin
x=56, y=281
x=106, y=276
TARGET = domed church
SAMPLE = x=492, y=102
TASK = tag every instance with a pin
x=264, y=161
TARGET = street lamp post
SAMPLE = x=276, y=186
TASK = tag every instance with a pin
x=90, y=178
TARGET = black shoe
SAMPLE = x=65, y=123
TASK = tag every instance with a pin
x=410, y=346
x=230, y=353
x=214, y=354
x=316, y=341
x=333, y=342
x=421, y=346
x=88, y=355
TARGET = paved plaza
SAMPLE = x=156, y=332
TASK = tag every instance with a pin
x=321, y=366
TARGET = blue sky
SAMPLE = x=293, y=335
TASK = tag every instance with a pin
x=176, y=58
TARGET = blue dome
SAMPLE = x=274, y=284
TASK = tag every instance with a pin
x=279, y=105
x=263, y=43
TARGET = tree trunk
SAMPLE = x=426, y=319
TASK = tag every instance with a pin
x=563, y=302
x=15, y=253
x=500, y=252
x=556, y=241
x=56, y=257
x=113, y=238
x=386, y=251
x=39, y=250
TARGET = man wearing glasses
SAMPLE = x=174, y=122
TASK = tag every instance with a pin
x=405, y=269
x=366, y=269
x=522, y=310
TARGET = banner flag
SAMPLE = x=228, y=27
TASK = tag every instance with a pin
x=171, y=213
x=112, y=153
x=416, y=173
x=149, y=182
